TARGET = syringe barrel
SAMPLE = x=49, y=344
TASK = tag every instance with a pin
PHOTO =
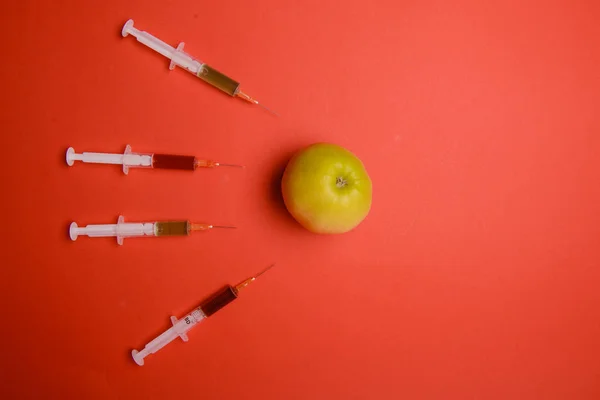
x=186, y=323
x=218, y=80
x=174, y=161
x=185, y=61
x=218, y=300
x=132, y=160
x=124, y=230
x=136, y=229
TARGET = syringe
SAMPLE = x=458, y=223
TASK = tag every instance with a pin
x=147, y=160
x=122, y=229
x=207, y=308
x=182, y=59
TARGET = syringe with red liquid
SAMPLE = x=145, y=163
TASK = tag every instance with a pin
x=144, y=160
x=181, y=326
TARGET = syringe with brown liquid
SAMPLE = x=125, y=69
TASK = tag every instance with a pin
x=180, y=58
x=122, y=229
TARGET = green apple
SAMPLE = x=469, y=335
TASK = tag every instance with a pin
x=327, y=189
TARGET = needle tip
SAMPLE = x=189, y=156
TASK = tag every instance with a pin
x=268, y=109
x=264, y=270
x=224, y=226
x=248, y=281
x=230, y=165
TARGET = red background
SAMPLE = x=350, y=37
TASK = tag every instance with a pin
x=474, y=276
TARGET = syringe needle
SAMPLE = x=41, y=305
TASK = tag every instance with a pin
x=249, y=99
x=264, y=270
x=218, y=164
x=195, y=227
x=211, y=164
x=268, y=109
x=248, y=281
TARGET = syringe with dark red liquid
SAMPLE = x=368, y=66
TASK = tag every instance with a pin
x=145, y=160
x=181, y=326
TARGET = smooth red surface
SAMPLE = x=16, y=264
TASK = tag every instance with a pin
x=476, y=274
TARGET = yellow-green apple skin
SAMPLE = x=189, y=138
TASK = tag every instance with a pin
x=327, y=189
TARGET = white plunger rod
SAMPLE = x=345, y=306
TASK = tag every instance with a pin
x=133, y=160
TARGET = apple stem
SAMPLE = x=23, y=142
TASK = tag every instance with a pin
x=340, y=182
